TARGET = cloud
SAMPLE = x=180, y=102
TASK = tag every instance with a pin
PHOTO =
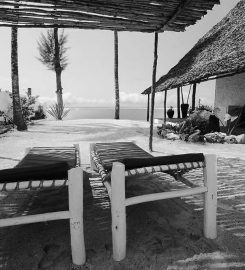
x=71, y=100
x=126, y=100
x=132, y=98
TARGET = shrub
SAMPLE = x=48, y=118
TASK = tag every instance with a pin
x=39, y=113
x=58, y=111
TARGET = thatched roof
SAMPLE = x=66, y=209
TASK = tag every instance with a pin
x=120, y=15
x=221, y=52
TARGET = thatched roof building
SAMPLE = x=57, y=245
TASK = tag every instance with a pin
x=220, y=52
x=120, y=15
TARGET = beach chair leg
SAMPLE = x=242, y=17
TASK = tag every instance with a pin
x=75, y=177
x=92, y=165
x=210, y=197
x=118, y=211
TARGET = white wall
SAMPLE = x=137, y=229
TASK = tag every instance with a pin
x=229, y=91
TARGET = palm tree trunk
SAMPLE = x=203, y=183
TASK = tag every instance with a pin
x=58, y=69
x=59, y=88
x=117, y=105
x=17, y=112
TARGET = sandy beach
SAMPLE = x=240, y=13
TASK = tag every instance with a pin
x=160, y=235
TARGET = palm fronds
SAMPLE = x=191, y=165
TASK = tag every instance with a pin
x=46, y=47
x=58, y=111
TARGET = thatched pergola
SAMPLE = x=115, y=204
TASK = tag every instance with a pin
x=219, y=53
x=116, y=15
x=126, y=15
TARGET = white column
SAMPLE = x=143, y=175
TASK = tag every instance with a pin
x=118, y=211
x=75, y=187
x=210, y=198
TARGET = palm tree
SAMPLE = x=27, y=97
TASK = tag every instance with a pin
x=52, y=54
x=117, y=104
x=17, y=112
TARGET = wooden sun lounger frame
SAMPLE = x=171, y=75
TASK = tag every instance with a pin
x=74, y=214
x=116, y=192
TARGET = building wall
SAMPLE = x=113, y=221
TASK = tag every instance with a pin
x=229, y=91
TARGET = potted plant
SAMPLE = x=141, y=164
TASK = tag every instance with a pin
x=170, y=112
x=184, y=106
x=184, y=109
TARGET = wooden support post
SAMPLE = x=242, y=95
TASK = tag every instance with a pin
x=210, y=199
x=75, y=187
x=148, y=108
x=153, y=90
x=165, y=106
x=193, y=104
x=118, y=211
x=178, y=102
x=116, y=78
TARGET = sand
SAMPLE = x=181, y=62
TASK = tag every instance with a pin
x=160, y=235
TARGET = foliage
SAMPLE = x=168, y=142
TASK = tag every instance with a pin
x=39, y=113
x=58, y=111
x=27, y=106
x=198, y=120
x=202, y=107
x=233, y=122
x=28, y=110
x=46, y=47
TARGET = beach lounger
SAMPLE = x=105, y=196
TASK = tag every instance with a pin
x=48, y=167
x=115, y=161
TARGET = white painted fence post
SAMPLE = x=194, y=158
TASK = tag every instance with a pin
x=210, y=198
x=75, y=187
x=118, y=211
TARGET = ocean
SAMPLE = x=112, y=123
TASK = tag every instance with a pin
x=108, y=113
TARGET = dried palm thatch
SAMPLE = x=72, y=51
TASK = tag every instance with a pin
x=120, y=15
x=221, y=52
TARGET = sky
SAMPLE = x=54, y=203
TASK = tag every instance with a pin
x=88, y=79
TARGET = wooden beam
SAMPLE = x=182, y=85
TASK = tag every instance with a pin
x=118, y=211
x=193, y=104
x=116, y=78
x=75, y=191
x=210, y=199
x=153, y=90
x=148, y=108
x=165, y=195
x=34, y=218
x=165, y=106
x=178, y=102
x=183, y=4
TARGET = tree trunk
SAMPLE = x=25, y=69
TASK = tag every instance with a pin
x=17, y=112
x=59, y=88
x=58, y=69
x=153, y=89
x=117, y=104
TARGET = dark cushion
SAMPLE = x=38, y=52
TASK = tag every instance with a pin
x=133, y=163
x=57, y=170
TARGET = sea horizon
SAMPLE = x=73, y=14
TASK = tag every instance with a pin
x=127, y=113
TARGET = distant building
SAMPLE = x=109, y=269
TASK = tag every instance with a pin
x=219, y=55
